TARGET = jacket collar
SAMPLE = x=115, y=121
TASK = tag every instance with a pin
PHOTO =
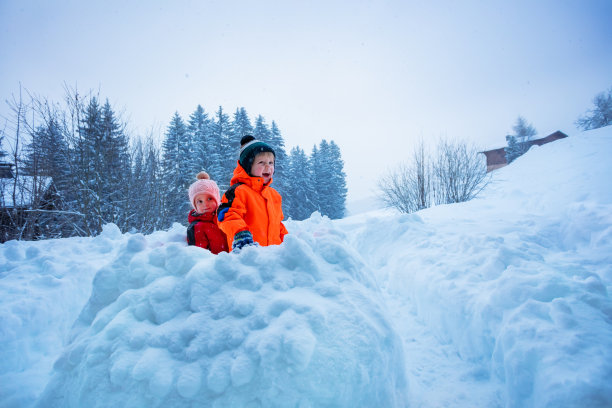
x=211, y=216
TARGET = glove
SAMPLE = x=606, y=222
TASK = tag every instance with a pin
x=242, y=239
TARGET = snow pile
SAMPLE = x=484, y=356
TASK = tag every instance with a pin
x=519, y=279
x=301, y=324
x=43, y=286
x=503, y=301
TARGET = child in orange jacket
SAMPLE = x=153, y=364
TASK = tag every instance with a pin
x=203, y=230
x=251, y=211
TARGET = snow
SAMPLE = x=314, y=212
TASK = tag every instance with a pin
x=502, y=301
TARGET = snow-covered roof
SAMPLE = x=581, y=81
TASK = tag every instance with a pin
x=21, y=192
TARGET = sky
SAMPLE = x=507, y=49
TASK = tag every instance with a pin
x=374, y=76
x=502, y=301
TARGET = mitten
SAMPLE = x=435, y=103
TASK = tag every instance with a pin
x=242, y=239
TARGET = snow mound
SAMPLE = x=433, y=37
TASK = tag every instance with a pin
x=35, y=313
x=518, y=280
x=167, y=325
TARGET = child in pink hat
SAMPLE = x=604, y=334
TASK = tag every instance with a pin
x=203, y=230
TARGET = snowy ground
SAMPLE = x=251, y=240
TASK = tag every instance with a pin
x=499, y=302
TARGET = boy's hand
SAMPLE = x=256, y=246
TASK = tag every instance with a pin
x=242, y=239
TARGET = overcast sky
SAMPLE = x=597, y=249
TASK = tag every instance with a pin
x=374, y=76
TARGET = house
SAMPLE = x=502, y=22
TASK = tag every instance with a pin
x=6, y=170
x=496, y=158
x=19, y=195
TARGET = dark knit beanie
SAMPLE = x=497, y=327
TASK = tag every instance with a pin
x=249, y=148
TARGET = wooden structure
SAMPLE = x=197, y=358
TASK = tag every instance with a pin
x=496, y=158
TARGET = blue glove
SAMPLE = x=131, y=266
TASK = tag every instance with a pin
x=242, y=239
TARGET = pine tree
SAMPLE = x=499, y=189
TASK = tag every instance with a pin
x=101, y=169
x=241, y=125
x=223, y=155
x=155, y=196
x=337, y=176
x=524, y=132
x=512, y=150
x=277, y=142
x=116, y=165
x=176, y=173
x=146, y=193
x=324, y=178
x=89, y=168
x=47, y=154
x=299, y=199
x=318, y=176
x=329, y=179
x=261, y=131
x=200, y=140
x=138, y=183
x=520, y=141
x=47, y=162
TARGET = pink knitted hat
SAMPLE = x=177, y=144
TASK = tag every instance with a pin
x=204, y=185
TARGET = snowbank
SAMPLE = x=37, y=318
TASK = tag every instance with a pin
x=301, y=324
x=43, y=286
x=519, y=279
x=503, y=301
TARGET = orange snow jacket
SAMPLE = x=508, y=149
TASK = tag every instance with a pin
x=255, y=207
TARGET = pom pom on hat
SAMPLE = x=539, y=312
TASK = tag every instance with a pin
x=204, y=185
x=202, y=176
x=246, y=139
x=249, y=148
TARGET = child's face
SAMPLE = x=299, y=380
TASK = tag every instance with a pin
x=204, y=203
x=263, y=166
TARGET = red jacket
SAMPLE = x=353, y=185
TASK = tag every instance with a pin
x=256, y=207
x=207, y=232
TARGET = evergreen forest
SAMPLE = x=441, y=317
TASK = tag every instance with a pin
x=71, y=168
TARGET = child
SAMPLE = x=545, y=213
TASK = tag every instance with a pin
x=251, y=211
x=203, y=230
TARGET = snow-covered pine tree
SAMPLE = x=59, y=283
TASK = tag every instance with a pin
x=88, y=174
x=145, y=193
x=524, y=132
x=299, y=198
x=116, y=164
x=153, y=178
x=318, y=176
x=47, y=156
x=200, y=140
x=223, y=154
x=261, y=130
x=512, y=150
x=176, y=173
x=241, y=125
x=324, y=179
x=329, y=179
x=337, y=196
x=138, y=182
x=277, y=142
x=520, y=140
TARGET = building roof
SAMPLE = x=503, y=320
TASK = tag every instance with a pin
x=497, y=157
